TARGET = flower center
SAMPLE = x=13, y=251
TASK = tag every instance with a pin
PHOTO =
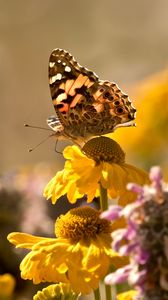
x=104, y=149
x=81, y=223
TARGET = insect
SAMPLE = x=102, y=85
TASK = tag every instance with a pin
x=85, y=106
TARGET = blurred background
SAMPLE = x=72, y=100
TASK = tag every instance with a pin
x=121, y=41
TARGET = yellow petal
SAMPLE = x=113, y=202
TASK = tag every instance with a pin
x=130, y=295
x=73, y=153
x=136, y=175
x=57, y=186
x=89, y=179
x=113, y=175
x=23, y=240
x=57, y=292
x=73, y=193
x=47, y=262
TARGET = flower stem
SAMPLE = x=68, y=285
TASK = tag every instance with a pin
x=104, y=206
x=108, y=292
x=103, y=198
x=97, y=294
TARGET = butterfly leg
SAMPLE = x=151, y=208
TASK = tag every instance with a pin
x=56, y=147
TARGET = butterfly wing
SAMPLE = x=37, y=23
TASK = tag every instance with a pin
x=67, y=78
x=85, y=105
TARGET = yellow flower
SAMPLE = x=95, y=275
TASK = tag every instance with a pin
x=60, y=291
x=7, y=285
x=83, y=242
x=101, y=161
x=130, y=295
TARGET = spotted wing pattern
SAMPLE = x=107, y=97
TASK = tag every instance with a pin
x=85, y=106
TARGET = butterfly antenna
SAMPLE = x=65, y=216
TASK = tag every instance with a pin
x=38, y=127
x=32, y=149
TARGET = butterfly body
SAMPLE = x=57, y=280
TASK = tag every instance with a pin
x=85, y=106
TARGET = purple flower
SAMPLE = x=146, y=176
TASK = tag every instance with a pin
x=145, y=239
x=156, y=177
x=135, y=188
x=112, y=213
x=127, y=249
x=141, y=256
x=119, y=276
x=118, y=236
x=137, y=277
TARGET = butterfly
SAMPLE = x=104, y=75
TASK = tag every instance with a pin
x=85, y=106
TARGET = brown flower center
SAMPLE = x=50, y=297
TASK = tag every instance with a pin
x=81, y=223
x=104, y=149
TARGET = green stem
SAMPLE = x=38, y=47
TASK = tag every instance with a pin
x=97, y=294
x=104, y=206
x=108, y=292
x=103, y=198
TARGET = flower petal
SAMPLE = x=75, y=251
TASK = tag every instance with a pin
x=60, y=291
x=113, y=175
x=130, y=295
x=24, y=240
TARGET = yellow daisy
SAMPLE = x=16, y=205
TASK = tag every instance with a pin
x=7, y=285
x=101, y=161
x=60, y=291
x=83, y=242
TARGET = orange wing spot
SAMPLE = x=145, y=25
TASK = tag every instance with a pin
x=55, y=101
x=79, y=82
x=88, y=83
x=99, y=107
x=97, y=94
x=76, y=100
x=68, y=84
x=62, y=86
x=64, y=108
x=123, y=117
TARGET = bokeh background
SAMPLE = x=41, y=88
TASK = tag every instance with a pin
x=122, y=41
